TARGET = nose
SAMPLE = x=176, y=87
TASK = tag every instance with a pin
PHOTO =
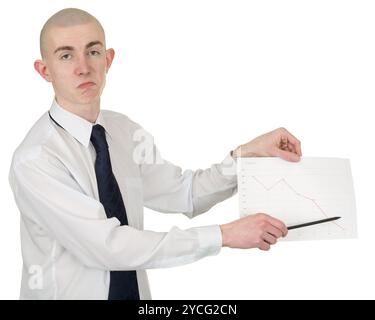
x=83, y=66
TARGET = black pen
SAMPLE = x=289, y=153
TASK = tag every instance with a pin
x=312, y=222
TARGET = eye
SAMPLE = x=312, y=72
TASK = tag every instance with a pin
x=66, y=56
x=94, y=53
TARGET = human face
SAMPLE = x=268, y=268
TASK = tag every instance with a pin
x=76, y=63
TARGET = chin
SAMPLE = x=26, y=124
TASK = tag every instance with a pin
x=87, y=99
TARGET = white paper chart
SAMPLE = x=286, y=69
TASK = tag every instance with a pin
x=308, y=190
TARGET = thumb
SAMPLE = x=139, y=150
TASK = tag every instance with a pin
x=287, y=155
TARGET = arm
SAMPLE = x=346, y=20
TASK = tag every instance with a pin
x=50, y=197
x=169, y=189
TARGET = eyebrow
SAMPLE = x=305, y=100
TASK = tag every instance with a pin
x=70, y=48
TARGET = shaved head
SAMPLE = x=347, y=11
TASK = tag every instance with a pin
x=65, y=18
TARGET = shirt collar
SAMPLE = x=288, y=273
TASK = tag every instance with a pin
x=78, y=127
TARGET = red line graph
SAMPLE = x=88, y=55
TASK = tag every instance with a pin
x=282, y=180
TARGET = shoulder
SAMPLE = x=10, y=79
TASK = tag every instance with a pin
x=34, y=147
x=119, y=121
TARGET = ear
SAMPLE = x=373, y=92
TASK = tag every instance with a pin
x=41, y=68
x=110, y=54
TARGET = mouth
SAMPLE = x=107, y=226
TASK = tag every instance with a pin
x=86, y=85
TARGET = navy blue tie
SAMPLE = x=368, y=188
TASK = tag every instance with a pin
x=123, y=284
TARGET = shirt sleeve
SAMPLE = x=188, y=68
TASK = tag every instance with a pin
x=169, y=189
x=50, y=197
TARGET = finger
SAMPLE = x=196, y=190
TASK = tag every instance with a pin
x=299, y=148
x=286, y=155
x=269, y=238
x=294, y=141
x=294, y=149
x=286, y=147
x=278, y=224
x=264, y=246
x=274, y=231
x=291, y=148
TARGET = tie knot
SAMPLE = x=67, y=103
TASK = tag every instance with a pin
x=98, y=138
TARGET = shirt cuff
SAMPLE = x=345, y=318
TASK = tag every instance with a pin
x=228, y=167
x=210, y=240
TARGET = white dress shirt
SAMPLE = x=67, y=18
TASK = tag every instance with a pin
x=68, y=243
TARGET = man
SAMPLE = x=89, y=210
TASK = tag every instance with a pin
x=82, y=176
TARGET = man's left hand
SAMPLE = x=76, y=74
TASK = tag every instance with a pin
x=277, y=143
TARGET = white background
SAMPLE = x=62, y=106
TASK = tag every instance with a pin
x=202, y=77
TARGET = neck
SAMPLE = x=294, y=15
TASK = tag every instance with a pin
x=88, y=111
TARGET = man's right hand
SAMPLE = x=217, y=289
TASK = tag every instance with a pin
x=254, y=231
